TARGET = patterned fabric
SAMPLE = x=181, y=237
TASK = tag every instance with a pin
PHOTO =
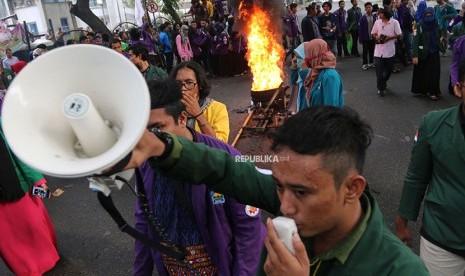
x=196, y=262
x=173, y=208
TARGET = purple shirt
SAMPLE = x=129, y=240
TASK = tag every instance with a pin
x=233, y=238
x=458, y=55
x=341, y=22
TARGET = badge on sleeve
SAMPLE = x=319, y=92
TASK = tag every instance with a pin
x=252, y=211
x=217, y=198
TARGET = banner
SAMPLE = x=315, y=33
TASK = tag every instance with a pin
x=139, y=12
x=11, y=39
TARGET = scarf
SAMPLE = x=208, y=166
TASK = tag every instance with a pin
x=204, y=103
x=10, y=187
x=431, y=28
x=318, y=56
x=184, y=34
x=420, y=11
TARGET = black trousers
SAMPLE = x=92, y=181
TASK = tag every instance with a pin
x=368, y=51
x=342, y=45
x=383, y=71
x=354, y=50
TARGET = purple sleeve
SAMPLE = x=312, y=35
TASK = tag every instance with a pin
x=456, y=58
x=249, y=233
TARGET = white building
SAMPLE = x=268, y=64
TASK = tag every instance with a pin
x=41, y=15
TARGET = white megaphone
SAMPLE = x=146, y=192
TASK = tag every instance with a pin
x=76, y=111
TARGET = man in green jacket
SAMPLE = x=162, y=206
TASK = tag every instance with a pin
x=436, y=175
x=139, y=55
x=316, y=180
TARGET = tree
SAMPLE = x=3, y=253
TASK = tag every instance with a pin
x=82, y=10
x=170, y=7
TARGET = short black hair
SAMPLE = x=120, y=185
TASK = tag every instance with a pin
x=293, y=5
x=328, y=4
x=202, y=81
x=167, y=94
x=82, y=38
x=342, y=1
x=116, y=40
x=368, y=4
x=139, y=49
x=135, y=34
x=70, y=41
x=338, y=134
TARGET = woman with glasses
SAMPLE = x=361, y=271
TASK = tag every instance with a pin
x=206, y=115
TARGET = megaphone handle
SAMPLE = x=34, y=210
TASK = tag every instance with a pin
x=109, y=206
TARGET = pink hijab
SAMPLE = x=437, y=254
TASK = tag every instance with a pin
x=317, y=56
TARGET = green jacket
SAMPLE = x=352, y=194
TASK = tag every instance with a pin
x=437, y=169
x=353, y=17
x=27, y=176
x=155, y=73
x=378, y=251
x=8, y=76
x=457, y=31
x=420, y=48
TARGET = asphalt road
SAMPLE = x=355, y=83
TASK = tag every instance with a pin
x=91, y=244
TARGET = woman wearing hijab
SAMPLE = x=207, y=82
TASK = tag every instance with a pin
x=420, y=10
x=426, y=47
x=299, y=72
x=183, y=44
x=323, y=83
x=28, y=241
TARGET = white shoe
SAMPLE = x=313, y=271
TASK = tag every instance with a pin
x=371, y=65
x=365, y=67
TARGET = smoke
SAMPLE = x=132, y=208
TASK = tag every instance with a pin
x=275, y=9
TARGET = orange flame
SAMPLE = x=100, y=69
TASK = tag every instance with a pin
x=265, y=53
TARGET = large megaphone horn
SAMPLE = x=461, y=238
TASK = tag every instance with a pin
x=76, y=111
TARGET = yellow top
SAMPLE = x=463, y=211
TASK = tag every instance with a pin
x=209, y=8
x=218, y=118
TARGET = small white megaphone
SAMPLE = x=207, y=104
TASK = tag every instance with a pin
x=76, y=111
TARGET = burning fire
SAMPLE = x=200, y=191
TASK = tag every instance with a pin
x=265, y=53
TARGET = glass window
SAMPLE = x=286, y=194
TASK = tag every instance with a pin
x=64, y=24
x=32, y=26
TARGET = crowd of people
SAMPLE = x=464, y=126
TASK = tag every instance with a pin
x=197, y=197
x=394, y=35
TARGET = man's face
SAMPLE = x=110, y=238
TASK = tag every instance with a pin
x=326, y=8
x=98, y=41
x=194, y=25
x=313, y=12
x=165, y=122
x=124, y=37
x=203, y=24
x=368, y=9
x=135, y=59
x=440, y=2
x=355, y=3
x=381, y=15
x=342, y=5
x=117, y=47
x=308, y=193
x=294, y=10
x=9, y=53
